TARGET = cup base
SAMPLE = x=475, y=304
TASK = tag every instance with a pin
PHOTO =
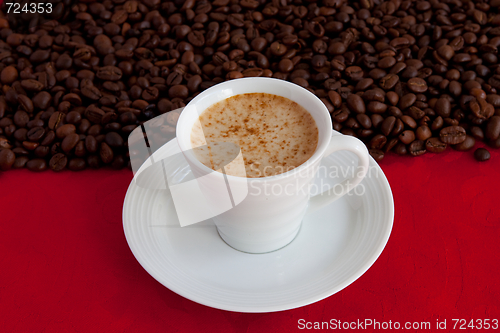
x=262, y=247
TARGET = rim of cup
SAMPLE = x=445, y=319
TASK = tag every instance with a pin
x=224, y=89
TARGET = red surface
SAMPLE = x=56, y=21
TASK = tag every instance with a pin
x=65, y=264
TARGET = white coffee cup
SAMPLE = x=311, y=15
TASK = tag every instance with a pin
x=266, y=219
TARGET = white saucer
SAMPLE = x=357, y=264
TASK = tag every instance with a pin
x=335, y=246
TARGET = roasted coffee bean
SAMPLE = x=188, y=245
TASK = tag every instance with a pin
x=94, y=114
x=467, y=144
x=58, y=162
x=389, y=81
x=20, y=135
x=91, y=144
x=9, y=75
x=65, y=130
x=37, y=164
x=114, y=140
x=400, y=149
x=364, y=120
x=20, y=162
x=388, y=125
x=35, y=134
x=77, y=164
x=482, y=154
x=443, y=107
x=407, y=100
x=21, y=118
x=42, y=151
x=355, y=73
x=377, y=154
x=417, y=148
x=381, y=69
x=106, y=153
x=417, y=85
x=7, y=159
x=434, y=145
x=377, y=107
x=374, y=95
x=477, y=132
x=493, y=128
x=407, y=137
x=377, y=142
x=398, y=128
x=452, y=135
x=408, y=121
x=355, y=103
x=69, y=142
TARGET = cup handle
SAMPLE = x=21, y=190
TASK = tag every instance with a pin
x=352, y=144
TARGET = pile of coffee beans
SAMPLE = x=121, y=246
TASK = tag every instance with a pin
x=404, y=76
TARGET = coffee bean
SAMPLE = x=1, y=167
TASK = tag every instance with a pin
x=109, y=73
x=408, y=121
x=42, y=151
x=386, y=62
x=434, y=145
x=20, y=162
x=5, y=144
x=400, y=149
x=364, y=120
x=58, y=162
x=91, y=144
x=335, y=98
x=417, y=85
x=477, y=133
x=493, y=128
x=388, y=125
x=37, y=164
x=377, y=107
x=77, y=164
x=389, y=81
x=21, y=118
x=114, y=140
x=467, y=144
x=9, y=75
x=25, y=103
x=443, y=107
x=355, y=103
x=452, y=135
x=30, y=145
x=7, y=159
x=482, y=154
x=355, y=73
x=374, y=95
x=106, y=153
x=407, y=137
x=417, y=148
x=398, y=128
x=93, y=161
x=69, y=142
x=65, y=130
x=35, y=134
x=423, y=133
x=377, y=154
x=377, y=142
x=407, y=100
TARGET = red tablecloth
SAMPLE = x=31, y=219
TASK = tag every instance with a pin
x=65, y=264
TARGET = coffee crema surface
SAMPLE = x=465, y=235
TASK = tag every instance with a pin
x=274, y=133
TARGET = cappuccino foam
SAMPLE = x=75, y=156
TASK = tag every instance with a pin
x=274, y=133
